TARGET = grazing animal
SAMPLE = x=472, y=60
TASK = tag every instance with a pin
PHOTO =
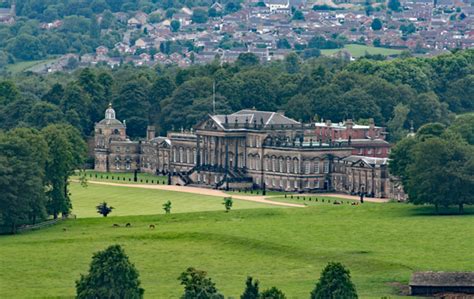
x=152, y=226
x=64, y=229
x=116, y=225
x=128, y=225
x=355, y=203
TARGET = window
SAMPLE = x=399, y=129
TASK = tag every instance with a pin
x=326, y=167
x=273, y=164
x=281, y=183
x=295, y=166
x=273, y=182
x=361, y=151
x=369, y=151
x=288, y=165
x=288, y=184
x=307, y=167
x=181, y=155
x=316, y=167
x=257, y=181
x=281, y=164
x=174, y=155
x=379, y=151
x=308, y=184
x=296, y=184
x=188, y=156
x=127, y=165
x=266, y=164
x=316, y=184
x=194, y=156
x=257, y=163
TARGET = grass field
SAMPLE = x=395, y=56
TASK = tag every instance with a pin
x=382, y=244
x=25, y=65
x=136, y=201
x=360, y=50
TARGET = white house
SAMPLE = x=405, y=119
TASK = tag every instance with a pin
x=276, y=5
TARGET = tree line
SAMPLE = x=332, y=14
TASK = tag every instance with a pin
x=34, y=170
x=436, y=165
x=395, y=93
x=112, y=275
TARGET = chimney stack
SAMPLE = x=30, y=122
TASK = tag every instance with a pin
x=150, y=132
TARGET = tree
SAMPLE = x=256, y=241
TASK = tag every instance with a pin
x=111, y=275
x=199, y=16
x=23, y=154
x=133, y=106
x=227, y=203
x=335, y=282
x=167, y=207
x=272, y=293
x=104, y=209
x=292, y=63
x=67, y=151
x=463, y=125
x=247, y=59
x=8, y=92
x=376, y=24
x=396, y=125
x=298, y=15
x=251, y=289
x=394, y=5
x=441, y=172
x=26, y=46
x=174, y=25
x=197, y=285
x=43, y=114
x=401, y=157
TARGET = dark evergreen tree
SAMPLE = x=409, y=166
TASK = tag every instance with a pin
x=104, y=209
x=272, y=293
x=251, y=289
x=334, y=283
x=111, y=275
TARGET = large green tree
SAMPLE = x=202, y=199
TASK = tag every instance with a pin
x=23, y=154
x=198, y=286
x=111, y=275
x=67, y=152
x=334, y=283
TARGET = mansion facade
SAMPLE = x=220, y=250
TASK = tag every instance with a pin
x=256, y=149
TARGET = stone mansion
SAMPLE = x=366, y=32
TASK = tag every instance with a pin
x=256, y=149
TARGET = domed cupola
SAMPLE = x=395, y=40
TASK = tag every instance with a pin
x=110, y=112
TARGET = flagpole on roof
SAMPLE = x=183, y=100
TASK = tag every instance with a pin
x=214, y=97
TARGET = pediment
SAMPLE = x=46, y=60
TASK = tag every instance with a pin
x=209, y=124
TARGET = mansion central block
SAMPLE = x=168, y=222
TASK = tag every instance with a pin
x=256, y=149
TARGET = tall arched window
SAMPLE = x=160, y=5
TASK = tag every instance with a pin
x=181, y=155
x=288, y=165
x=295, y=166
x=188, y=156
x=274, y=166
x=280, y=165
x=307, y=167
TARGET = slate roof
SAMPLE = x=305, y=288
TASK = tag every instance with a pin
x=439, y=279
x=368, y=160
x=249, y=116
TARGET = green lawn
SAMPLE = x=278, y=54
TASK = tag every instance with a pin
x=361, y=50
x=284, y=247
x=25, y=65
x=135, y=201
